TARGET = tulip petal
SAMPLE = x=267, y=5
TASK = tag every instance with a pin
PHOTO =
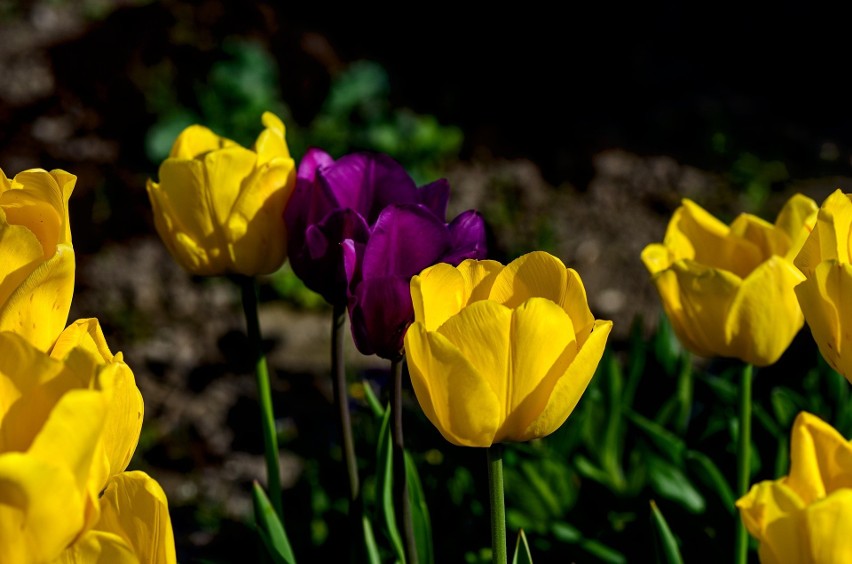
x=826, y=525
x=405, y=240
x=38, y=205
x=821, y=300
x=829, y=239
x=656, y=258
x=38, y=308
x=271, y=142
x=437, y=293
x=762, y=234
x=134, y=507
x=821, y=459
x=542, y=346
x=467, y=238
x=575, y=376
x=771, y=513
x=435, y=196
x=797, y=219
x=226, y=170
x=765, y=314
x=576, y=305
x=20, y=254
x=482, y=333
x=479, y=277
x=455, y=398
x=380, y=311
x=41, y=510
x=536, y=274
x=181, y=197
x=22, y=369
x=196, y=140
x=98, y=547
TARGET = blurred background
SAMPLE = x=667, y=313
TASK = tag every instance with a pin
x=576, y=132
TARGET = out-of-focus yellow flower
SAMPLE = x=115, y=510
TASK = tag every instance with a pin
x=36, y=256
x=825, y=260
x=501, y=353
x=728, y=291
x=219, y=207
x=805, y=516
x=69, y=423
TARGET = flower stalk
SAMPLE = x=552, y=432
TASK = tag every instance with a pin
x=400, y=484
x=498, y=508
x=248, y=286
x=743, y=458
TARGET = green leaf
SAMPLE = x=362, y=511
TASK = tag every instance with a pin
x=373, y=400
x=670, y=482
x=384, y=485
x=270, y=529
x=669, y=443
x=522, y=550
x=664, y=541
x=667, y=348
x=419, y=513
x=710, y=474
x=372, y=549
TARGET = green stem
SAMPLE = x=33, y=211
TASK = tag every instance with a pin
x=743, y=459
x=498, y=507
x=267, y=416
x=400, y=484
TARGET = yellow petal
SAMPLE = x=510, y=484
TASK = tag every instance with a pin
x=98, y=547
x=437, y=294
x=762, y=234
x=536, y=274
x=829, y=239
x=705, y=296
x=656, y=258
x=226, y=172
x=571, y=383
x=821, y=299
x=271, y=142
x=40, y=509
x=134, y=507
x=541, y=348
x=479, y=277
x=451, y=391
x=38, y=308
x=66, y=182
x=196, y=140
x=20, y=254
x=668, y=286
x=821, y=459
x=255, y=228
x=797, y=219
x=765, y=314
x=827, y=523
x=576, y=305
x=772, y=514
x=182, y=193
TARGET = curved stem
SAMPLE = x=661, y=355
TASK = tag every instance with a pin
x=498, y=508
x=400, y=484
x=743, y=459
x=341, y=399
x=264, y=394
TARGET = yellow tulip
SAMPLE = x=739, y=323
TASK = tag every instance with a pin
x=219, y=207
x=36, y=256
x=501, y=353
x=805, y=516
x=69, y=423
x=728, y=290
x=826, y=261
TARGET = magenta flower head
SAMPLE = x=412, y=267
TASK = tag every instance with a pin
x=341, y=200
x=405, y=239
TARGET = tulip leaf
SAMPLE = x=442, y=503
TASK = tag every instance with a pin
x=710, y=474
x=588, y=469
x=270, y=529
x=373, y=556
x=384, y=485
x=372, y=400
x=419, y=513
x=669, y=443
x=667, y=348
x=670, y=482
x=522, y=550
x=684, y=394
x=664, y=541
x=571, y=535
x=636, y=367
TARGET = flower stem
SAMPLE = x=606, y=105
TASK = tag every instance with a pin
x=498, y=508
x=743, y=459
x=341, y=399
x=267, y=416
x=400, y=484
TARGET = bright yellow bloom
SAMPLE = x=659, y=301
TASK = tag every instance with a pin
x=501, y=353
x=826, y=261
x=219, y=207
x=69, y=423
x=36, y=256
x=805, y=516
x=728, y=291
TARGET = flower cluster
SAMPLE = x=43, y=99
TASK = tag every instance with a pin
x=70, y=411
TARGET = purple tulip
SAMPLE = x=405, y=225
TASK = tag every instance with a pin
x=405, y=239
x=341, y=200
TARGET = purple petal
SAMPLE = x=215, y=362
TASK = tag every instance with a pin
x=368, y=182
x=314, y=158
x=380, y=311
x=319, y=261
x=467, y=238
x=435, y=196
x=311, y=201
x=405, y=240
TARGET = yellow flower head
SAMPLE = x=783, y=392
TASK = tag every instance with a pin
x=219, y=207
x=728, y=290
x=825, y=261
x=36, y=256
x=805, y=516
x=69, y=423
x=501, y=353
